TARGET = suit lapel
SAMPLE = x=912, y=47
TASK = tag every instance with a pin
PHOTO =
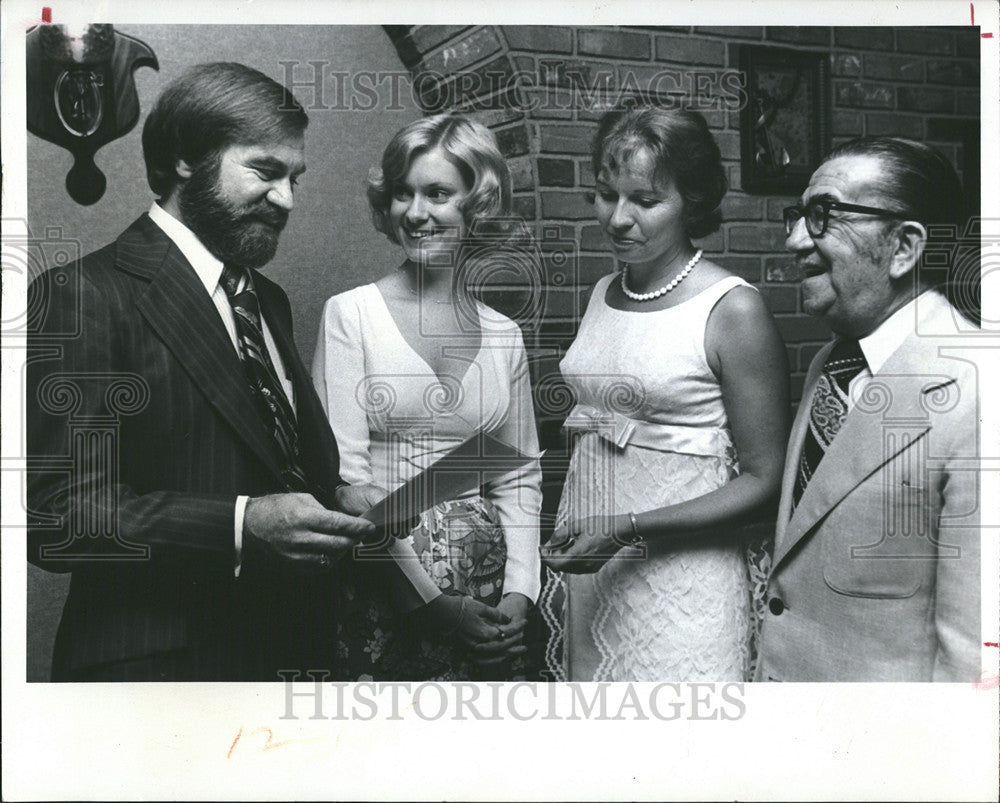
x=795, y=441
x=895, y=394
x=182, y=314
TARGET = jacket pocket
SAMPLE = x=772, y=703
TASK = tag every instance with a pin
x=875, y=579
x=867, y=554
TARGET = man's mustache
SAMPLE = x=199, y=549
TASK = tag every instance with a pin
x=271, y=215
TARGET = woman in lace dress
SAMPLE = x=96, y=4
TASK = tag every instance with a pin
x=681, y=381
x=409, y=368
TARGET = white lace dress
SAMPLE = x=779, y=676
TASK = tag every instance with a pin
x=652, y=432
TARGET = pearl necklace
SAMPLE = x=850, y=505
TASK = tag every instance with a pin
x=666, y=288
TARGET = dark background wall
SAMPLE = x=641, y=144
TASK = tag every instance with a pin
x=917, y=82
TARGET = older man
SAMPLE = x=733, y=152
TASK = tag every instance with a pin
x=876, y=572
x=182, y=466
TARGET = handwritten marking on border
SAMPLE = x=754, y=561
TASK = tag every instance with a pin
x=972, y=17
x=270, y=744
x=989, y=681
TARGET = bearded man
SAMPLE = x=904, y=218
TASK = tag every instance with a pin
x=182, y=467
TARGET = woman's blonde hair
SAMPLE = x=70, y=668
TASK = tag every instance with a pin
x=472, y=148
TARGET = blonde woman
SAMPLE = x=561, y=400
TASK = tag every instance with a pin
x=410, y=367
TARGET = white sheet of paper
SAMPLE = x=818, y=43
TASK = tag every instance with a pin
x=476, y=461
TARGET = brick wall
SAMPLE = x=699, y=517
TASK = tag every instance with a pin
x=917, y=82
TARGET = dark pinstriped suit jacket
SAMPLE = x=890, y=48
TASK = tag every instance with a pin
x=134, y=316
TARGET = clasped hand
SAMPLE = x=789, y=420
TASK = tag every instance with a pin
x=492, y=635
x=582, y=546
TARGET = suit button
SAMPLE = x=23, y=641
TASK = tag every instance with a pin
x=776, y=606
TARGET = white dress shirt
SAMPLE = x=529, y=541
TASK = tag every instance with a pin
x=881, y=344
x=209, y=271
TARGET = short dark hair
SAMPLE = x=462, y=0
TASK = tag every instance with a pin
x=682, y=148
x=917, y=178
x=209, y=107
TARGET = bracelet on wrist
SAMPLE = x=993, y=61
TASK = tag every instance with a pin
x=636, y=539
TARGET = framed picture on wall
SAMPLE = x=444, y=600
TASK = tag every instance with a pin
x=785, y=124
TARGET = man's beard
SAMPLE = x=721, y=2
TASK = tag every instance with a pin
x=240, y=235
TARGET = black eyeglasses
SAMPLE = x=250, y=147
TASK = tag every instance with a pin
x=817, y=214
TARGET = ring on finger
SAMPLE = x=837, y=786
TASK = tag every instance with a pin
x=501, y=633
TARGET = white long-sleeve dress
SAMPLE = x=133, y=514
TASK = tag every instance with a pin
x=393, y=416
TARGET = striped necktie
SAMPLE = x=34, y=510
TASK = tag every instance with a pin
x=270, y=399
x=829, y=408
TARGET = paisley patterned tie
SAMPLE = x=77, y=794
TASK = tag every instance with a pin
x=829, y=408
x=270, y=399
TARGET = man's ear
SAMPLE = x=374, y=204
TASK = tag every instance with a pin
x=910, y=239
x=183, y=169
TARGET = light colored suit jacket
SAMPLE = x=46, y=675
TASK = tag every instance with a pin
x=876, y=573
